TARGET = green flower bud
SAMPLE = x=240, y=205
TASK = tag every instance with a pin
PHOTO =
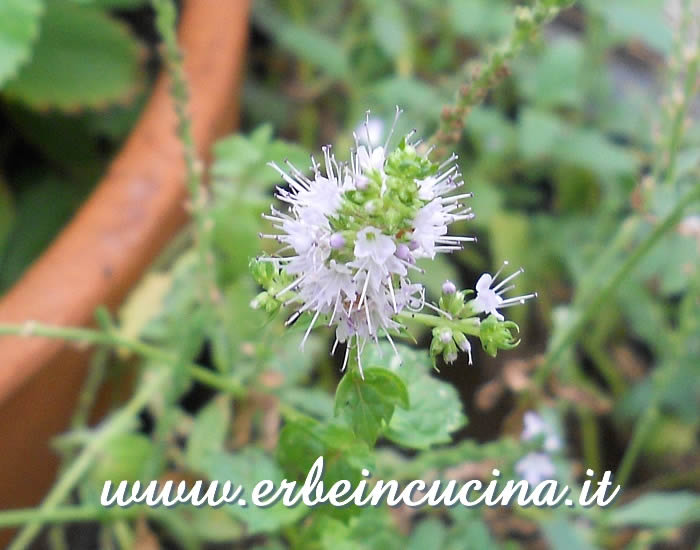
x=450, y=352
x=495, y=335
x=263, y=272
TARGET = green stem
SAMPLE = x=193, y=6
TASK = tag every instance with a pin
x=92, y=384
x=494, y=70
x=165, y=23
x=604, y=294
x=65, y=514
x=642, y=430
x=468, y=326
x=92, y=337
x=590, y=438
x=119, y=423
x=606, y=368
x=678, y=122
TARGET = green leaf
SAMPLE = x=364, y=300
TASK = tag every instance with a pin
x=480, y=20
x=82, y=58
x=638, y=19
x=209, y=431
x=555, y=78
x=42, y=206
x=566, y=534
x=19, y=27
x=435, y=408
x=412, y=94
x=367, y=405
x=209, y=524
x=313, y=401
x=305, y=42
x=429, y=533
x=390, y=28
x=542, y=135
x=658, y=510
x=130, y=457
x=247, y=468
x=303, y=441
x=241, y=161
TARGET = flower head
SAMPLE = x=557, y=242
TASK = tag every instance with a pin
x=535, y=468
x=535, y=426
x=352, y=233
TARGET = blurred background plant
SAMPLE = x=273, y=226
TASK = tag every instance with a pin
x=579, y=144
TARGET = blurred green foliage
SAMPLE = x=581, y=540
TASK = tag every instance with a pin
x=568, y=158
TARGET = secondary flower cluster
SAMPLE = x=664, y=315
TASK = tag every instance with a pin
x=537, y=465
x=352, y=233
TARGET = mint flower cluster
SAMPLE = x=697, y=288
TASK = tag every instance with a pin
x=350, y=236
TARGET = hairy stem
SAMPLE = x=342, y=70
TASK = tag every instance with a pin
x=92, y=337
x=494, y=70
x=165, y=23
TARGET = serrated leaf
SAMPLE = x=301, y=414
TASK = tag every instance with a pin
x=435, y=408
x=367, y=405
x=83, y=58
x=209, y=431
x=658, y=510
x=19, y=27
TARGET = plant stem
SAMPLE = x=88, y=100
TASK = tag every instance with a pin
x=65, y=514
x=468, y=326
x=89, y=336
x=120, y=422
x=528, y=22
x=165, y=23
x=642, y=430
x=604, y=294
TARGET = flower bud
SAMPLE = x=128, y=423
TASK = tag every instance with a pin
x=403, y=252
x=445, y=335
x=337, y=241
x=495, y=335
x=448, y=287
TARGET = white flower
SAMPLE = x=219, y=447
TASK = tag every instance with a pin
x=370, y=243
x=535, y=468
x=489, y=300
x=370, y=132
x=350, y=261
x=535, y=426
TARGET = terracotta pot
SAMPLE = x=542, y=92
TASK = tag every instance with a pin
x=98, y=257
